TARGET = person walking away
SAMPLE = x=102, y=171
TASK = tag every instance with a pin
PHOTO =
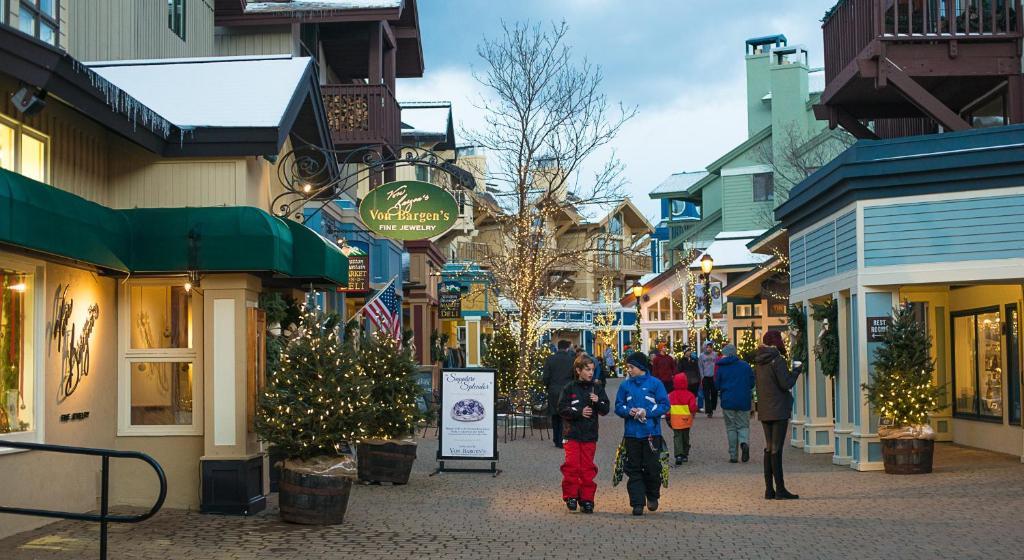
x=706, y=362
x=557, y=374
x=774, y=381
x=609, y=362
x=641, y=401
x=581, y=403
x=688, y=364
x=735, y=382
x=664, y=368
x=682, y=407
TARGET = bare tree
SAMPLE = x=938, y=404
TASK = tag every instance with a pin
x=546, y=116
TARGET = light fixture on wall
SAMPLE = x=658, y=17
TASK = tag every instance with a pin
x=19, y=287
x=192, y=282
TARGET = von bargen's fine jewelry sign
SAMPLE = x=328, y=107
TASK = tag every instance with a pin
x=409, y=210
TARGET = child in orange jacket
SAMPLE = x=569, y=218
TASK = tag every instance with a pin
x=683, y=405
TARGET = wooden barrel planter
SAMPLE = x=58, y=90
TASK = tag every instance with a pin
x=313, y=499
x=386, y=461
x=908, y=456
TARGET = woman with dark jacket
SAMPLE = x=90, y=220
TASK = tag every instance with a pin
x=688, y=364
x=774, y=380
x=580, y=404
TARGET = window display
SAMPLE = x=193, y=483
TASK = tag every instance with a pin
x=161, y=317
x=16, y=379
x=978, y=363
x=161, y=393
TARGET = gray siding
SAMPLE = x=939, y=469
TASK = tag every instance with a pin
x=136, y=29
x=824, y=252
x=943, y=231
x=238, y=41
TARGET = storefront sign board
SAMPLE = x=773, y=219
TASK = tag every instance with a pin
x=467, y=419
x=409, y=210
x=876, y=328
x=449, y=300
x=358, y=254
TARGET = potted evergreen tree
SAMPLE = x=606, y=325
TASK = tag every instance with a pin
x=386, y=413
x=305, y=414
x=903, y=395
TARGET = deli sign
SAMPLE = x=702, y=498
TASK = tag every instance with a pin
x=409, y=210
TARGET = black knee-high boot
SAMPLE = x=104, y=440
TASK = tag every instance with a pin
x=780, y=483
x=769, y=489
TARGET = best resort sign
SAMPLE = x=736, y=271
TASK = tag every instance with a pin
x=409, y=210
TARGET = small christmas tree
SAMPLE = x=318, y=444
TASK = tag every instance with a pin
x=748, y=344
x=387, y=408
x=717, y=339
x=901, y=390
x=503, y=357
x=306, y=409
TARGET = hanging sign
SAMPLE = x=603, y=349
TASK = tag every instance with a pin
x=449, y=300
x=358, y=254
x=409, y=210
x=467, y=419
x=877, y=327
x=716, y=297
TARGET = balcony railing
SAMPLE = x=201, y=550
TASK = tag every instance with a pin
x=853, y=24
x=478, y=253
x=360, y=114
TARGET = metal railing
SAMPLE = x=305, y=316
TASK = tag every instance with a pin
x=104, y=517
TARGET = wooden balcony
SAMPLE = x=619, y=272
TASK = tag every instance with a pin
x=477, y=253
x=919, y=62
x=362, y=114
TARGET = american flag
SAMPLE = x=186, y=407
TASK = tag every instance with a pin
x=386, y=312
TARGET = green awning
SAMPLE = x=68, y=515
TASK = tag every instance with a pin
x=317, y=258
x=226, y=239
x=42, y=218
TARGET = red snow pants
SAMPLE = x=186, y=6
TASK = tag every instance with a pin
x=579, y=471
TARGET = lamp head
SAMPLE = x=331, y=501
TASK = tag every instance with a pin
x=706, y=263
x=638, y=291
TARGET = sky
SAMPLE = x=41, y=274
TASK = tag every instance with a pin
x=679, y=62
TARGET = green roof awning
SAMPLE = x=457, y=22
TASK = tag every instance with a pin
x=42, y=218
x=316, y=257
x=226, y=238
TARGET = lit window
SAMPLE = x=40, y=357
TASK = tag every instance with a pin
x=977, y=362
x=764, y=187
x=33, y=157
x=39, y=18
x=17, y=340
x=23, y=151
x=176, y=17
x=160, y=386
x=7, y=135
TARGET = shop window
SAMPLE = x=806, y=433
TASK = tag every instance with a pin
x=1013, y=363
x=23, y=151
x=978, y=367
x=746, y=310
x=40, y=19
x=161, y=389
x=739, y=332
x=764, y=187
x=664, y=310
x=678, y=306
x=17, y=342
x=176, y=17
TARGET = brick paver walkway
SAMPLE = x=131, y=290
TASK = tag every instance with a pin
x=969, y=508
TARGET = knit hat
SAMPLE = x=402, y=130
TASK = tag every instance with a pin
x=639, y=360
x=729, y=350
x=772, y=338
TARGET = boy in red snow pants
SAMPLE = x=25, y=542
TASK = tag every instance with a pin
x=581, y=403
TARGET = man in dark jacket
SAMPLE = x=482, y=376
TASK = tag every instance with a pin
x=664, y=368
x=557, y=374
x=688, y=364
x=735, y=382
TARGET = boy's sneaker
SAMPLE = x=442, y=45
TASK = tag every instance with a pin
x=686, y=459
x=652, y=504
x=571, y=504
x=745, y=452
x=679, y=460
x=733, y=460
x=588, y=507
x=638, y=510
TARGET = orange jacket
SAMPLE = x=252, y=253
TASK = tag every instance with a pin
x=682, y=404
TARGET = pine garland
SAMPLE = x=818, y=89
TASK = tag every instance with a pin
x=901, y=389
x=826, y=349
x=798, y=326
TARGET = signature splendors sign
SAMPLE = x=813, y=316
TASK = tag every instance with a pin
x=468, y=422
x=409, y=210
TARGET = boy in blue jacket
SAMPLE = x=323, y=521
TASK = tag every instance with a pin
x=642, y=401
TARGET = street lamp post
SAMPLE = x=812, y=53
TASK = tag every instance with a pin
x=706, y=265
x=638, y=291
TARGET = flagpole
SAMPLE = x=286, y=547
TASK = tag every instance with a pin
x=374, y=298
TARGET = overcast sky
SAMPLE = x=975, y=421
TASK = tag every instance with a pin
x=680, y=62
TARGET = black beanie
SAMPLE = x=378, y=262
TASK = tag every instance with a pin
x=639, y=359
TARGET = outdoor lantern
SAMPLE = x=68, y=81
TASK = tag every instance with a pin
x=638, y=291
x=706, y=263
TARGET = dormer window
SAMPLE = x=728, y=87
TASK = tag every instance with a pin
x=615, y=225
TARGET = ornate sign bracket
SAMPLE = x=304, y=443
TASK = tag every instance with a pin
x=313, y=174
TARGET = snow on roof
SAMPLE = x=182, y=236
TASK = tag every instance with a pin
x=594, y=212
x=426, y=118
x=314, y=5
x=730, y=249
x=210, y=92
x=679, y=182
x=648, y=277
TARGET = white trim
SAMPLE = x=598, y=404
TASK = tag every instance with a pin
x=128, y=355
x=224, y=372
x=746, y=170
x=989, y=270
x=826, y=287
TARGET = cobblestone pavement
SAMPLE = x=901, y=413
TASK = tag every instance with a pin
x=971, y=507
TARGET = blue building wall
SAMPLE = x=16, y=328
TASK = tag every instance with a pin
x=942, y=231
x=824, y=252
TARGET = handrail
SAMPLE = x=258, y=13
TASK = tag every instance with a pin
x=104, y=517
